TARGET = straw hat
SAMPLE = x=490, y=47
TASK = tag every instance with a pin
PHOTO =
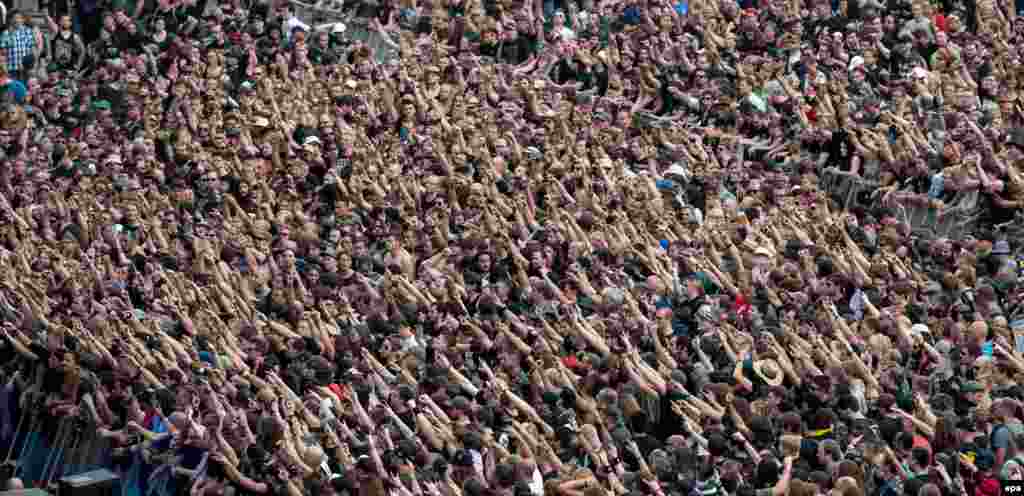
x=769, y=371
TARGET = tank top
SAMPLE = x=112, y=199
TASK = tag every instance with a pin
x=66, y=50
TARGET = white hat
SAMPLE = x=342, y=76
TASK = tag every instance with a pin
x=338, y=27
x=856, y=62
x=677, y=170
x=311, y=140
x=918, y=329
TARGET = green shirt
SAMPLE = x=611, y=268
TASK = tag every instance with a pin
x=605, y=31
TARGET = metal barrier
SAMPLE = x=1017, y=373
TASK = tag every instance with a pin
x=958, y=218
x=846, y=188
x=357, y=29
x=42, y=456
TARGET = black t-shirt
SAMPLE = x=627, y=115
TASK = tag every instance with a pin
x=488, y=49
x=669, y=424
x=53, y=381
x=7, y=352
x=993, y=213
x=807, y=400
x=839, y=150
x=173, y=19
x=130, y=42
x=197, y=9
x=525, y=46
x=809, y=453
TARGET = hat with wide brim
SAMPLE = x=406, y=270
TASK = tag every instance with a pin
x=769, y=371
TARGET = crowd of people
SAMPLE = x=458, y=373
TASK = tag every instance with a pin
x=557, y=247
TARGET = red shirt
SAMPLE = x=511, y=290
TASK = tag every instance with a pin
x=922, y=442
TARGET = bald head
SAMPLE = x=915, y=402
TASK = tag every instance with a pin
x=1000, y=322
x=979, y=330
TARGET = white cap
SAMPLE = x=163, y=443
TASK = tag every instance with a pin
x=856, y=62
x=677, y=170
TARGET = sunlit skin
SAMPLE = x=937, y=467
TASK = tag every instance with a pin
x=622, y=209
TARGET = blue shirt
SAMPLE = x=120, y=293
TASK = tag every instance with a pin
x=631, y=15
x=157, y=425
x=17, y=89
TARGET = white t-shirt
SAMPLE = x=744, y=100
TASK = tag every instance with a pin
x=537, y=484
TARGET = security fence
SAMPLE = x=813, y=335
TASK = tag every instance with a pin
x=960, y=216
x=43, y=450
x=325, y=14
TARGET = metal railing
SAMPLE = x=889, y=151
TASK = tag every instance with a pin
x=357, y=28
x=958, y=218
x=846, y=188
x=41, y=454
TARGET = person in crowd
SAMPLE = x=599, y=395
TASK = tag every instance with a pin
x=19, y=43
